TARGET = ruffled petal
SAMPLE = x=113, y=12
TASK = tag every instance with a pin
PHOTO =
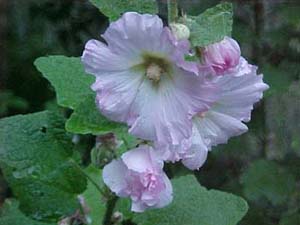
x=216, y=128
x=138, y=206
x=196, y=156
x=239, y=93
x=134, y=33
x=166, y=196
x=114, y=176
x=139, y=159
x=98, y=59
x=115, y=94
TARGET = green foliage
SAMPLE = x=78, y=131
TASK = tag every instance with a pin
x=266, y=179
x=11, y=215
x=124, y=206
x=67, y=76
x=87, y=119
x=114, y=8
x=211, y=26
x=93, y=197
x=36, y=159
x=195, y=205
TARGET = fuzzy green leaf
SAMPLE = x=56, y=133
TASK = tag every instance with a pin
x=87, y=119
x=115, y=8
x=93, y=197
x=211, y=26
x=36, y=159
x=195, y=205
x=11, y=215
x=68, y=78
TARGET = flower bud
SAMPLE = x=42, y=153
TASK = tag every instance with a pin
x=117, y=217
x=180, y=31
x=222, y=56
x=104, y=150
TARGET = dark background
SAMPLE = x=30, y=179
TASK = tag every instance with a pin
x=269, y=34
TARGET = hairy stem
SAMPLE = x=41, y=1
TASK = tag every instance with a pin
x=110, y=206
x=172, y=11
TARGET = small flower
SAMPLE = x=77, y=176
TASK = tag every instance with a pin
x=223, y=56
x=139, y=175
x=143, y=80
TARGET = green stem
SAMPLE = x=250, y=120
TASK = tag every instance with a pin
x=110, y=206
x=172, y=11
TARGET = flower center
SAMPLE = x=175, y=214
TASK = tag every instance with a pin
x=201, y=114
x=154, y=66
x=153, y=72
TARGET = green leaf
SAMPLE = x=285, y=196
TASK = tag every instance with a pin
x=35, y=157
x=266, y=179
x=195, y=205
x=11, y=215
x=114, y=8
x=87, y=119
x=72, y=86
x=211, y=26
x=67, y=76
x=93, y=196
x=123, y=205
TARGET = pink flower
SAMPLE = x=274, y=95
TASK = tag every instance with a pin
x=238, y=91
x=225, y=119
x=223, y=56
x=140, y=79
x=139, y=175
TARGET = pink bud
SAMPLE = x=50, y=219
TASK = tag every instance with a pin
x=222, y=56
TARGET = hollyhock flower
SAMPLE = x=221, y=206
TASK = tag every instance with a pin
x=239, y=88
x=139, y=175
x=224, y=56
x=142, y=79
x=225, y=118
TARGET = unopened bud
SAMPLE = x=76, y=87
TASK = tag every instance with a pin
x=222, y=56
x=117, y=217
x=104, y=150
x=180, y=31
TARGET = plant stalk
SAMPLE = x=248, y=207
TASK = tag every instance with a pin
x=172, y=11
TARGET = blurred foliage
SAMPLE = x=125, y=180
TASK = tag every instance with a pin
x=43, y=27
x=262, y=165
